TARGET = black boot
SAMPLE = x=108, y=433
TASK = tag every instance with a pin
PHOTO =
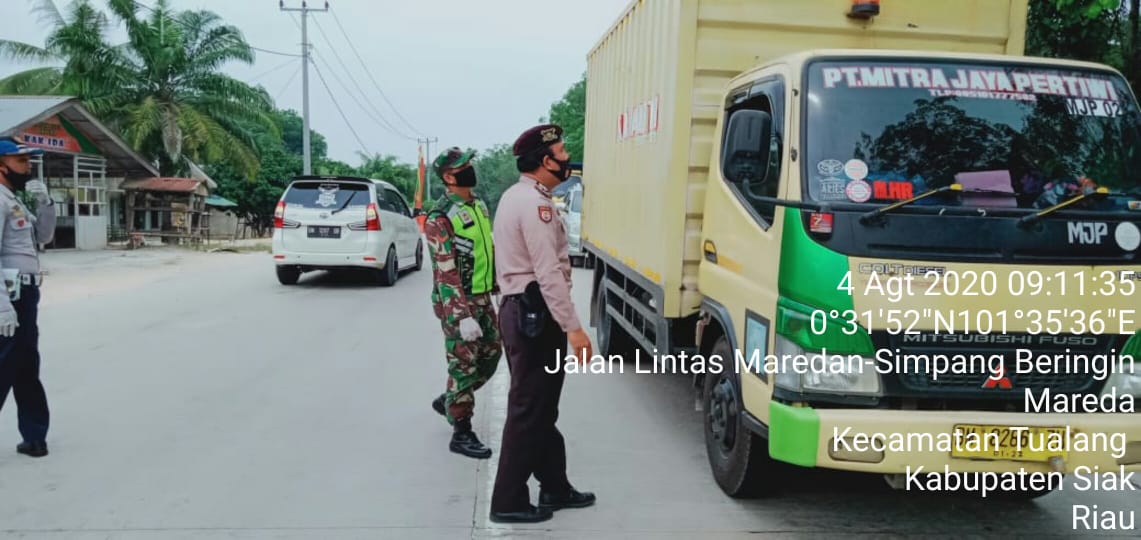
x=465, y=442
x=570, y=499
x=530, y=515
x=438, y=405
x=39, y=449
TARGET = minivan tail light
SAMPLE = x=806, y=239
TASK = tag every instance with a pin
x=372, y=218
x=279, y=215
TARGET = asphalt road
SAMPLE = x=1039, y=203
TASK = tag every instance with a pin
x=204, y=400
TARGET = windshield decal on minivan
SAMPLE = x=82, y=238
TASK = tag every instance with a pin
x=985, y=82
x=326, y=197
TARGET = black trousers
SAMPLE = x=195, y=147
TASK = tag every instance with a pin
x=20, y=369
x=531, y=445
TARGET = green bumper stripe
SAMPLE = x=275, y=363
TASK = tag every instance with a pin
x=794, y=434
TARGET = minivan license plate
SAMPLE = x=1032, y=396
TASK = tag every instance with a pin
x=321, y=231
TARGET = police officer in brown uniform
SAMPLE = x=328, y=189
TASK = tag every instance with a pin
x=537, y=317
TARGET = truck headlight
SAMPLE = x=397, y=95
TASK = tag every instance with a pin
x=1125, y=380
x=803, y=372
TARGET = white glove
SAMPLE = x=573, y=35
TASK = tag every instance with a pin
x=39, y=190
x=470, y=330
x=8, y=322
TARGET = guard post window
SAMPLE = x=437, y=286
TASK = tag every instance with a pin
x=752, y=146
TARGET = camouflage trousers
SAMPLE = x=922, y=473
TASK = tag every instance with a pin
x=470, y=363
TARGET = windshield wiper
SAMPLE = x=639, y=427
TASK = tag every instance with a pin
x=1032, y=218
x=346, y=205
x=869, y=216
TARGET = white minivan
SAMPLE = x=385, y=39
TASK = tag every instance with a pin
x=341, y=222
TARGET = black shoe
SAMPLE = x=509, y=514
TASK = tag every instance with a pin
x=570, y=499
x=531, y=515
x=438, y=405
x=39, y=449
x=466, y=443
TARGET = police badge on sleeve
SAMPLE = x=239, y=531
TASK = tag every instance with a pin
x=546, y=214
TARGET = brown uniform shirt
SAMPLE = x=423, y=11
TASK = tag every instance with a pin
x=531, y=245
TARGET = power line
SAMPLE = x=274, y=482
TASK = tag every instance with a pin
x=379, y=117
x=287, y=83
x=338, y=106
x=236, y=41
x=267, y=72
x=369, y=73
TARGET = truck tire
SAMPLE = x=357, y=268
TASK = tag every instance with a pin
x=612, y=338
x=738, y=457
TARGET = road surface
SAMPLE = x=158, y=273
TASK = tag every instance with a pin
x=195, y=397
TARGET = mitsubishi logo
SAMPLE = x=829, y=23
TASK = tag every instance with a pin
x=1002, y=381
x=324, y=215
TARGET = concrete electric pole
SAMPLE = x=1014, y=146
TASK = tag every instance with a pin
x=428, y=157
x=304, y=9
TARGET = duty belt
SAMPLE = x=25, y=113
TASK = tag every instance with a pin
x=31, y=279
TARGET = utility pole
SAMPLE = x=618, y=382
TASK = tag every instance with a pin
x=428, y=157
x=304, y=9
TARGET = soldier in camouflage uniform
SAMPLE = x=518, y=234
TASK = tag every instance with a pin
x=463, y=263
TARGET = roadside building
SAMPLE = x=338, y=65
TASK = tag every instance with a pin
x=84, y=165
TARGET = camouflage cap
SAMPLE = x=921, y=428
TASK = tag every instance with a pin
x=537, y=137
x=452, y=158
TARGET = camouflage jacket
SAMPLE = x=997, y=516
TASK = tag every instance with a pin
x=462, y=253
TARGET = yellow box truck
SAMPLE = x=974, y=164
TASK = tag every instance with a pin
x=880, y=237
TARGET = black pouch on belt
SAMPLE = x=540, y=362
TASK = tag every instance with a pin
x=533, y=317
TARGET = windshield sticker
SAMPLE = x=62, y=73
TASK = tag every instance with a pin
x=1128, y=236
x=892, y=190
x=1134, y=205
x=1094, y=107
x=858, y=191
x=983, y=83
x=856, y=169
x=326, y=196
x=832, y=189
x=1089, y=233
x=830, y=167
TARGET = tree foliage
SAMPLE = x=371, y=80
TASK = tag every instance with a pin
x=162, y=89
x=570, y=113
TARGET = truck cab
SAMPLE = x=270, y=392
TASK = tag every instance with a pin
x=930, y=249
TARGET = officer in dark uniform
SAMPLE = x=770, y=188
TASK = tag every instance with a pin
x=20, y=230
x=537, y=317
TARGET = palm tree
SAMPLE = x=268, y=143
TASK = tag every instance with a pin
x=161, y=89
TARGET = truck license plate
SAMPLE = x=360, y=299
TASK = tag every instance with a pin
x=1009, y=446
x=321, y=231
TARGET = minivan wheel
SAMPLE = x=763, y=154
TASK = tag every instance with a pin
x=419, y=256
x=288, y=275
x=390, y=272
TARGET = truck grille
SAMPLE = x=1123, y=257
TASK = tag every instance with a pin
x=1056, y=382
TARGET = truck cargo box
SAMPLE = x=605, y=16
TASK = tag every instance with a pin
x=655, y=82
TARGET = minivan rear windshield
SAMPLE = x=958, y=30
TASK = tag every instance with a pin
x=326, y=195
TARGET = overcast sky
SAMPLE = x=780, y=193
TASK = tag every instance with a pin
x=470, y=72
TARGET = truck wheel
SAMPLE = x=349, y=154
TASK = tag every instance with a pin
x=738, y=457
x=612, y=338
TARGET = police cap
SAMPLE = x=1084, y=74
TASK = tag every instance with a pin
x=537, y=138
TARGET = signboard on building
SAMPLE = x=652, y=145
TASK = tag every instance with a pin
x=57, y=134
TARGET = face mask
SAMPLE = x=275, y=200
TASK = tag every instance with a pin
x=18, y=180
x=564, y=169
x=466, y=178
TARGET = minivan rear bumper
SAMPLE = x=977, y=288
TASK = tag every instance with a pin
x=329, y=260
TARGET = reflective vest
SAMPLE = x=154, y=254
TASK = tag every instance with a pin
x=473, y=248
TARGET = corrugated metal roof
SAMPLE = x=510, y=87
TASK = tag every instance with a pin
x=180, y=185
x=16, y=111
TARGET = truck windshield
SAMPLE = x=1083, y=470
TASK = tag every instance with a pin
x=1013, y=136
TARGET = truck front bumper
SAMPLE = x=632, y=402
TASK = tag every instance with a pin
x=809, y=437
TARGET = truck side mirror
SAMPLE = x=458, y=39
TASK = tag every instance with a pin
x=745, y=155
